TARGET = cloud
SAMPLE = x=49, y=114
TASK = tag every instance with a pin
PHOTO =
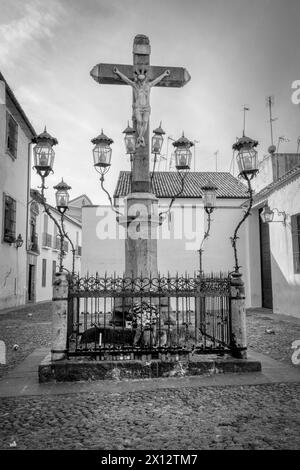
x=37, y=21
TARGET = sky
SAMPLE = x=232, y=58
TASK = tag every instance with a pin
x=236, y=51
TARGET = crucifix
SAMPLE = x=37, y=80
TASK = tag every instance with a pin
x=141, y=251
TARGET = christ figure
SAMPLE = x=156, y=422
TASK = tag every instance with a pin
x=141, y=86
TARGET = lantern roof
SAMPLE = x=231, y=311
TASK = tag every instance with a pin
x=62, y=186
x=183, y=142
x=159, y=130
x=102, y=139
x=209, y=186
x=129, y=130
x=244, y=141
x=45, y=137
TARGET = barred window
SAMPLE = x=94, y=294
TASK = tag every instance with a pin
x=11, y=135
x=9, y=226
x=295, y=222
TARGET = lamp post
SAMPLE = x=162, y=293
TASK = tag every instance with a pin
x=62, y=204
x=246, y=155
x=156, y=146
x=183, y=157
x=43, y=155
x=130, y=142
x=209, y=201
x=102, y=153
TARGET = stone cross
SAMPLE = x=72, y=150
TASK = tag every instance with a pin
x=141, y=218
x=141, y=74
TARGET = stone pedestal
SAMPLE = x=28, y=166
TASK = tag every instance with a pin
x=238, y=317
x=59, y=317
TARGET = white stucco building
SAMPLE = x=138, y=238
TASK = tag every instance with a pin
x=277, y=242
x=16, y=134
x=44, y=247
x=180, y=235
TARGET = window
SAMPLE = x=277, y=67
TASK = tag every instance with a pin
x=44, y=272
x=53, y=270
x=295, y=222
x=9, y=234
x=11, y=135
x=45, y=223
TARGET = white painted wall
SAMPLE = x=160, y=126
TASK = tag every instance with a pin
x=178, y=243
x=52, y=254
x=14, y=182
x=285, y=283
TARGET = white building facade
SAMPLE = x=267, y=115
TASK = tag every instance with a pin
x=44, y=249
x=181, y=233
x=16, y=134
x=277, y=242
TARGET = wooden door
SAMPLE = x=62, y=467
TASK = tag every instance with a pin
x=265, y=257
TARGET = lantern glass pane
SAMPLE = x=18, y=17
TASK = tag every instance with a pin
x=102, y=155
x=267, y=215
x=247, y=160
x=62, y=198
x=157, y=141
x=209, y=198
x=43, y=155
x=183, y=158
x=130, y=144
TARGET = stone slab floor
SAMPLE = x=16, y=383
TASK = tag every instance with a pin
x=260, y=416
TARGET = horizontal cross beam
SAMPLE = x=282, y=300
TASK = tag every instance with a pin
x=103, y=73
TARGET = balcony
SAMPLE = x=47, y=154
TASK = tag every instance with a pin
x=47, y=240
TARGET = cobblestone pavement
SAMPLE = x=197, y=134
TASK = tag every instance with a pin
x=277, y=343
x=235, y=417
x=29, y=328
x=252, y=417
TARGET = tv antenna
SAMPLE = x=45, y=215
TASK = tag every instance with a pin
x=270, y=103
x=195, y=142
x=216, y=153
x=245, y=109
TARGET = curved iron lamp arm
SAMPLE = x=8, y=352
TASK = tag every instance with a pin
x=182, y=177
x=206, y=235
x=109, y=196
x=71, y=243
x=246, y=214
x=48, y=212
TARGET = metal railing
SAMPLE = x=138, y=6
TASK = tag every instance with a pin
x=126, y=318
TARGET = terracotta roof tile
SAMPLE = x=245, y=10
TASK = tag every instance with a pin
x=167, y=183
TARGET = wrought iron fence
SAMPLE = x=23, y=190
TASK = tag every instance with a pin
x=126, y=318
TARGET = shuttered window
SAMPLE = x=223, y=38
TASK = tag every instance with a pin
x=11, y=135
x=295, y=222
x=9, y=225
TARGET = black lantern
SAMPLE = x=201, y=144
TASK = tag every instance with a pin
x=43, y=153
x=62, y=196
x=129, y=139
x=102, y=153
x=19, y=241
x=157, y=140
x=267, y=215
x=246, y=156
x=209, y=196
x=183, y=155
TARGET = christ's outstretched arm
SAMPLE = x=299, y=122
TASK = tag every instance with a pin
x=160, y=78
x=123, y=77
